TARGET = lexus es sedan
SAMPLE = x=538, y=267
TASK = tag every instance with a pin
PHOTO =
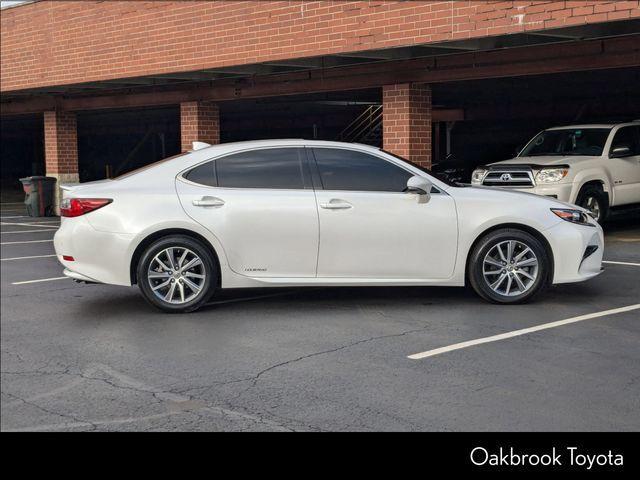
x=301, y=213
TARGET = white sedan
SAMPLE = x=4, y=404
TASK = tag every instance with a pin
x=301, y=213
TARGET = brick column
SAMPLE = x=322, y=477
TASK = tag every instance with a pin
x=199, y=122
x=406, y=121
x=61, y=148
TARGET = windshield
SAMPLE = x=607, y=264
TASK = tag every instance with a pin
x=570, y=141
x=439, y=176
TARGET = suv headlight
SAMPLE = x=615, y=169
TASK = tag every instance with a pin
x=573, y=216
x=478, y=175
x=551, y=175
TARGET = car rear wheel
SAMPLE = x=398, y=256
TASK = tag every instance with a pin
x=508, y=266
x=177, y=274
x=594, y=199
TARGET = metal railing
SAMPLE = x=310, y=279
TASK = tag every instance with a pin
x=366, y=127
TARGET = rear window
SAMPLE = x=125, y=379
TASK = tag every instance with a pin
x=148, y=166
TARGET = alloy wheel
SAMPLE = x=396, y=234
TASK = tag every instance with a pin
x=510, y=268
x=176, y=275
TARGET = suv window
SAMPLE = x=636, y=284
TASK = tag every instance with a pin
x=203, y=174
x=350, y=170
x=568, y=141
x=280, y=168
x=627, y=137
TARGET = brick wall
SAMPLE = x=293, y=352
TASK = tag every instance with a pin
x=199, y=122
x=406, y=121
x=60, y=143
x=62, y=42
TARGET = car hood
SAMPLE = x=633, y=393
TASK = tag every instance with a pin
x=537, y=162
x=509, y=195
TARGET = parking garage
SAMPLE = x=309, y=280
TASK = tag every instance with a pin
x=95, y=357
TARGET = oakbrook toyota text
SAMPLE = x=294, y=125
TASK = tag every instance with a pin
x=571, y=456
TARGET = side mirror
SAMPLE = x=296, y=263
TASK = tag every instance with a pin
x=419, y=185
x=620, y=152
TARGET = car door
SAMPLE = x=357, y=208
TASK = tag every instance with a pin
x=625, y=171
x=370, y=228
x=261, y=206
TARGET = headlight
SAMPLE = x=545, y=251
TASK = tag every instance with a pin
x=478, y=175
x=551, y=175
x=573, y=216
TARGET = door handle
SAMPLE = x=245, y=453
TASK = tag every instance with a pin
x=208, y=202
x=336, y=204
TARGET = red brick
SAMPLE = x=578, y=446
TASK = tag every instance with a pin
x=63, y=42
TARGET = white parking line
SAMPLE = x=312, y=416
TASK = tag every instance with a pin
x=26, y=231
x=26, y=258
x=39, y=280
x=48, y=225
x=27, y=241
x=622, y=263
x=524, y=331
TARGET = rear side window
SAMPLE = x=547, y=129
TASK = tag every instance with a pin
x=203, y=174
x=279, y=168
x=357, y=171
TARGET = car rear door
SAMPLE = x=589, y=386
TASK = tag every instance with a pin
x=261, y=206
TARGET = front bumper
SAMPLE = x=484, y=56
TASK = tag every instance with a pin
x=569, y=243
x=560, y=191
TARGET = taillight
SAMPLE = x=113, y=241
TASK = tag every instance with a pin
x=74, y=207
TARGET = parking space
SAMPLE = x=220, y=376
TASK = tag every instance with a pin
x=96, y=357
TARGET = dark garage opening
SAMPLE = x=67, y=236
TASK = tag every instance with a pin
x=322, y=116
x=21, y=153
x=113, y=142
x=502, y=114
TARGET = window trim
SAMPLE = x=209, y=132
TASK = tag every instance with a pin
x=304, y=159
x=317, y=177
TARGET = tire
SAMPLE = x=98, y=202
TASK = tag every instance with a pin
x=531, y=270
x=594, y=199
x=192, y=286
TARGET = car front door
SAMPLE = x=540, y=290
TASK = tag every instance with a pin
x=261, y=206
x=625, y=171
x=371, y=228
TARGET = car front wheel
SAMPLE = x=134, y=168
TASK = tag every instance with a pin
x=176, y=274
x=508, y=266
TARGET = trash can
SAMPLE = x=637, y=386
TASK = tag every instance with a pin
x=39, y=195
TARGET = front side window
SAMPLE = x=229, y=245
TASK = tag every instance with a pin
x=350, y=170
x=627, y=137
x=570, y=141
x=279, y=168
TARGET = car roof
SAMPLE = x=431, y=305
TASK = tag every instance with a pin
x=595, y=125
x=284, y=142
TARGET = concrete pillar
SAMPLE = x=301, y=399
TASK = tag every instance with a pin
x=406, y=121
x=199, y=122
x=61, y=148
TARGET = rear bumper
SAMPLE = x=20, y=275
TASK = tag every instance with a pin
x=569, y=243
x=97, y=256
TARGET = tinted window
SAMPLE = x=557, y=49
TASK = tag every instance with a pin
x=271, y=168
x=627, y=137
x=569, y=141
x=349, y=170
x=203, y=174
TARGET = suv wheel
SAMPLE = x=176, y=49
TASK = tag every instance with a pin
x=177, y=274
x=508, y=266
x=594, y=199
